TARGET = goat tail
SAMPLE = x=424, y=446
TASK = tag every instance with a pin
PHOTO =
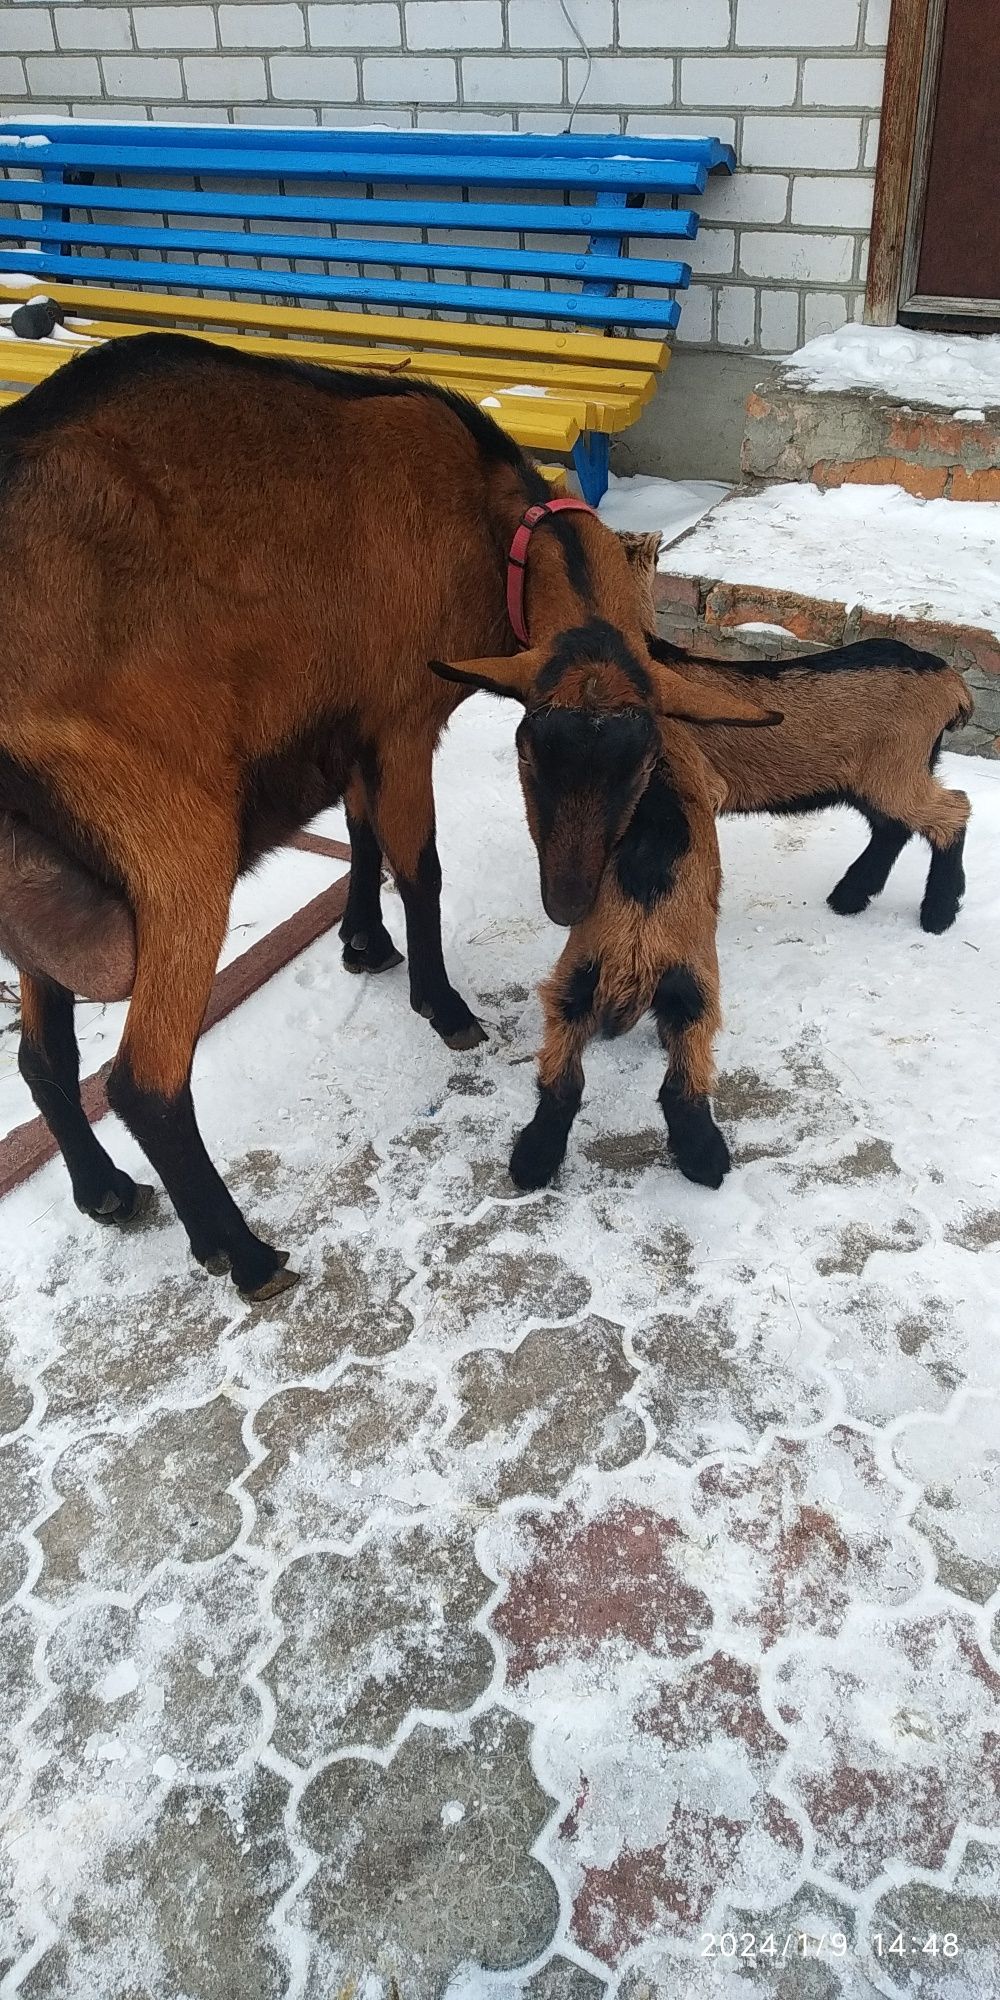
x=58, y=920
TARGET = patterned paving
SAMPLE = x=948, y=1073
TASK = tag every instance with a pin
x=594, y=1594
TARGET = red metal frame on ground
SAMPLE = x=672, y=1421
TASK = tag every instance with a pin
x=31, y=1145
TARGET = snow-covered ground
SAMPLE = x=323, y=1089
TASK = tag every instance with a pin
x=870, y=545
x=953, y=371
x=549, y=1584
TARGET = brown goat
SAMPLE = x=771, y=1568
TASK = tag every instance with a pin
x=861, y=727
x=223, y=579
x=648, y=944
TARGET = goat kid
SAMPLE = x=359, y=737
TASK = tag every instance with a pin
x=622, y=807
x=247, y=565
x=861, y=726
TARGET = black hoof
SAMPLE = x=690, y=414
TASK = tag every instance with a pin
x=125, y=1201
x=937, y=917
x=453, y=1021
x=218, y=1265
x=848, y=901
x=370, y=952
x=536, y=1159
x=282, y=1281
x=706, y=1161
x=257, y=1271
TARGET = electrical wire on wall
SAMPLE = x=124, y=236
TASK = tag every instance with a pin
x=585, y=49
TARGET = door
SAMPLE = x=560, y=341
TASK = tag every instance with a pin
x=935, y=248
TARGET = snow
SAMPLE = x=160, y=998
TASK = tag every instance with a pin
x=857, y=545
x=16, y=139
x=949, y=370
x=766, y=1351
x=641, y=504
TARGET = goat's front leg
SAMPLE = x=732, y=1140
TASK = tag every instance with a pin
x=686, y=1006
x=570, y=1020
x=402, y=803
x=367, y=944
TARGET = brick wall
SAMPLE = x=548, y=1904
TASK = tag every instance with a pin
x=795, y=84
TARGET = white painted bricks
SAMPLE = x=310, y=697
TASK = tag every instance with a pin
x=794, y=85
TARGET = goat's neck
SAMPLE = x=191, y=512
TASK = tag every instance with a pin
x=555, y=601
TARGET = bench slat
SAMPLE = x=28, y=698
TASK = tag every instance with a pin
x=383, y=291
x=611, y=270
x=468, y=169
x=461, y=215
x=593, y=406
x=473, y=375
x=529, y=342
x=713, y=153
x=541, y=424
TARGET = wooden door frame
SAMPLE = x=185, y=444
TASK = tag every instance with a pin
x=909, y=96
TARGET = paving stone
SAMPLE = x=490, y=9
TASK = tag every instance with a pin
x=703, y=1820
x=598, y=1585
x=708, y=1386
x=186, y=1908
x=808, y=1530
x=369, y=1637
x=334, y=1454
x=127, y=1503
x=21, y=1498
x=154, y=1692
x=426, y=1864
x=18, y=1688
x=15, y=1396
x=492, y=1274
x=533, y=1417
x=957, y=1467
x=351, y=1304
x=964, y=1919
x=895, y=1746
x=162, y=1341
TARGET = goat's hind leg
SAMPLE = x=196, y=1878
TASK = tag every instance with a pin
x=367, y=944
x=946, y=876
x=867, y=876
x=179, y=939
x=49, y=1061
x=570, y=1022
x=687, y=1019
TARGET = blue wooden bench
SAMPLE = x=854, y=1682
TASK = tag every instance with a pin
x=209, y=228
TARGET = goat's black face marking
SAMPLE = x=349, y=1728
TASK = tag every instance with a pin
x=582, y=771
x=658, y=837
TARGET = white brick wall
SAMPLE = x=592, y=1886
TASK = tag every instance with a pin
x=795, y=85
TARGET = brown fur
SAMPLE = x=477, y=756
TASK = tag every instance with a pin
x=865, y=735
x=223, y=580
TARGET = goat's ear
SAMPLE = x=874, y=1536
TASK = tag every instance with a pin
x=691, y=701
x=641, y=549
x=512, y=675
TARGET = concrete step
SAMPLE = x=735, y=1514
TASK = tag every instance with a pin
x=786, y=569
x=882, y=406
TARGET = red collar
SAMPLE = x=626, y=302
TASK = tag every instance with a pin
x=517, y=560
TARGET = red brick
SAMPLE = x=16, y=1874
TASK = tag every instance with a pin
x=669, y=590
x=975, y=485
x=730, y=604
x=932, y=437
x=927, y=482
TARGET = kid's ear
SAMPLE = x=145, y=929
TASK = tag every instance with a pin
x=511, y=675
x=693, y=701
